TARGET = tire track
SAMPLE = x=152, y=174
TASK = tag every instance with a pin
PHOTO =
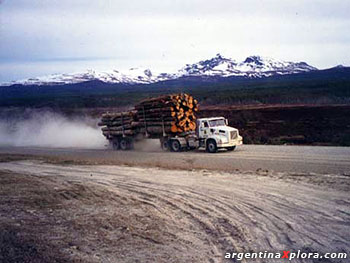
x=223, y=212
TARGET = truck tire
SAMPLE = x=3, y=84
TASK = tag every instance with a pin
x=230, y=149
x=164, y=144
x=211, y=146
x=124, y=144
x=175, y=146
x=115, y=145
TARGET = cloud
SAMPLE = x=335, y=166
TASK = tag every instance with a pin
x=167, y=31
x=318, y=8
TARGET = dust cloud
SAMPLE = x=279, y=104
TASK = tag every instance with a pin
x=49, y=129
x=149, y=145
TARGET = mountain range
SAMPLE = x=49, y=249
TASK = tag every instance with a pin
x=253, y=67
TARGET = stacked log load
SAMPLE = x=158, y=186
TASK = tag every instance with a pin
x=120, y=123
x=170, y=113
x=176, y=112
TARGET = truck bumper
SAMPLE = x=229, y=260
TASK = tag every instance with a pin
x=232, y=143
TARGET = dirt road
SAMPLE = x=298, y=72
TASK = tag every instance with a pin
x=294, y=159
x=96, y=213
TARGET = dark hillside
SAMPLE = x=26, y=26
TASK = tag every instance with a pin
x=278, y=124
x=330, y=86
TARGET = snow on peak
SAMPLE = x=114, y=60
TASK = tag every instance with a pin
x=214, y=66
x=251, y=67
x=131, y=76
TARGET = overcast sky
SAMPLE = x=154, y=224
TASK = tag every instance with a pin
x=39, y=37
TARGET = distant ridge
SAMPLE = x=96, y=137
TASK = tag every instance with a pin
x=218, y=66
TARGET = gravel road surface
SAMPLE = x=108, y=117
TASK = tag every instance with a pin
x=133, y=214
x=98, y=205
x=295, y=159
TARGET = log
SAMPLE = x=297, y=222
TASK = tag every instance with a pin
x=120, y=128
x=153, y=119
x=182, y=123
x=115, y=123
x=118, y=133
x=118, y=123
x=174, y=128
x=155, y=105
x=192, y=126
x=154, y=115
x=124, y=118
x=152, y=110
x=156, y=130
x=118, y=114
x=153, y=123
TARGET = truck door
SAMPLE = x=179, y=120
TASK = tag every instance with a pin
x=203, y=130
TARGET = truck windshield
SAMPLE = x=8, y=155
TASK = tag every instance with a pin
x=218, y=122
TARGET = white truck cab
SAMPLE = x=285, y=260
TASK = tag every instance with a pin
x=214, y=133
x=211, y=134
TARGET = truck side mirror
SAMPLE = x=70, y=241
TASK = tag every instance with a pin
x=226, y=121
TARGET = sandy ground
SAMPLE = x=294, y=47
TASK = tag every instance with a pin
x=115, y=213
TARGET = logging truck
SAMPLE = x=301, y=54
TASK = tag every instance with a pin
x=211, y=135
x=172, y=120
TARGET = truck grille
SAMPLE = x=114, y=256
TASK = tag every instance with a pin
x=234, y=135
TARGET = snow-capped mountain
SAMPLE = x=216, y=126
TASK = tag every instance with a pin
x=218, y=66
x=132, y=76
x=251, y=67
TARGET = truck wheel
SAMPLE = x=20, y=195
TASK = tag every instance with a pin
x=124, y=144
x=211, y=146
x=175, y=146
x=116, y=145
x=230, y=149
x=164, y=144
